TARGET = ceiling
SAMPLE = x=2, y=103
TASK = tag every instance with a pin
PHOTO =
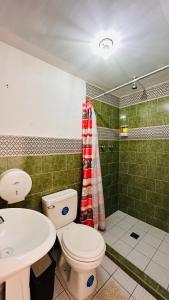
x=60, y=32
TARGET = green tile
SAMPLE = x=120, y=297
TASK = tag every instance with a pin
x=158, y=172
x=163, y=159
x=74, y=161
x=41, y=183
x=123, y=168
x=125, y=157
x=34, y=202
x=157, y=199
x=144, y=183
x=145, y=208
x=162, y=187
x=137, y=169
x=123, y=145
x=136, y=193
x=3, y=164
x=53, y=163
x=162, y=214
x=30, y=164
x=146, y=158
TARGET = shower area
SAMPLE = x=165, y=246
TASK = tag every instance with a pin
x=133, y=131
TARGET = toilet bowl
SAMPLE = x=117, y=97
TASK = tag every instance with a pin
x=83, y=247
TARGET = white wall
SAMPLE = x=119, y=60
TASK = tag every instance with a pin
x=41, y=100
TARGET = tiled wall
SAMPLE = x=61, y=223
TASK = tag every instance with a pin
x=107, y=114
x=49, y=173
x=109, y=158
x=144, y=164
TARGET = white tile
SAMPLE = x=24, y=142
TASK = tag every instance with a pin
x=102, y=277
x=112, y=220
x=116, y=231
x=124, y=280
x=164, y=247
x=122, y=247
x=152, y=240
x=135, y=228
x=138, y=259
x=141, y=294
x=166, y=239
x=129, y=240
x=146, y=249
x=162, y=259
x=156, y=232
x=131, y=220
x=108, y=237
x=58, y=289
x=109, y=266
x=144, y=226
x=120, y=214
x=158, y=273
x=124, y=225
x=62, y=296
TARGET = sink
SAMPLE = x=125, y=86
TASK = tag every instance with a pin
x=25, y=236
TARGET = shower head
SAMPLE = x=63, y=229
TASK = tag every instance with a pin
x=134, y=85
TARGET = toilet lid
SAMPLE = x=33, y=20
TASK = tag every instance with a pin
x=83, y=242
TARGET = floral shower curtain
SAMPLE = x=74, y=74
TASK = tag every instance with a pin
x=92, y=211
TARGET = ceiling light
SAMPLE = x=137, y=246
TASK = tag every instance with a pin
x=105, y=43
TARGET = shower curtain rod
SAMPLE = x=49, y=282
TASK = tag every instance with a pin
x=130, y=82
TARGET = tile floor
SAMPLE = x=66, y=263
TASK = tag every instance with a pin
x=107, y=272
x=150, y=252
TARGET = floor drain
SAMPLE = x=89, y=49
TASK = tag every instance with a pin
x=6, y=252
x=134, y=235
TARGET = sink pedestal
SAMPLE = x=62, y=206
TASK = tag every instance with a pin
x=17, y=286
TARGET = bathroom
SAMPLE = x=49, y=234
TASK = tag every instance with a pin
x=55, y=56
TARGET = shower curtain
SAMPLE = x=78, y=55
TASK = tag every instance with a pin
x=92, y=211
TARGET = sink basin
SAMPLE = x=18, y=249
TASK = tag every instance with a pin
x=25, y=237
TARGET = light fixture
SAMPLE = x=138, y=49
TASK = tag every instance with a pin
x=105, y=43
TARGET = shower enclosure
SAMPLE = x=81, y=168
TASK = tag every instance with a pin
x=135, y=180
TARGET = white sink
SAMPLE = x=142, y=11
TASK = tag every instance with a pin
x=25, y=237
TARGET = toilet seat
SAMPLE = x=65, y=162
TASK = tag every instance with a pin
x=83, y=243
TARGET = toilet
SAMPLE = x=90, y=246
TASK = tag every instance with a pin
x=83, y=247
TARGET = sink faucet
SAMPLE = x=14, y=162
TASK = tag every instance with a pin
x=1, y=220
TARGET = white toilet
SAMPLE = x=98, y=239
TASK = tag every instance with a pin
x=83, y=247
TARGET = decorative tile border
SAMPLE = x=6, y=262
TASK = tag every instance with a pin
x=148, y=133
x=151, y=93
x=107, y=133
x=28, y=145
x=93, y=91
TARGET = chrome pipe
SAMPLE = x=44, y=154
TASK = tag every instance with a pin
x=130, y=82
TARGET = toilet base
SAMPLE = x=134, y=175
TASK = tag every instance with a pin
x=79, y=284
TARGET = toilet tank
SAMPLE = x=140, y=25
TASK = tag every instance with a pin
x=60, y=207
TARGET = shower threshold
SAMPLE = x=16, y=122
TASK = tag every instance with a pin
x=140, y=249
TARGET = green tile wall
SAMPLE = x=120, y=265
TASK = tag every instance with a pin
x=149, y=113
x=109, y=159
x=144, y=180
x=108, y=116
x=144, y=165
x=49, y=174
